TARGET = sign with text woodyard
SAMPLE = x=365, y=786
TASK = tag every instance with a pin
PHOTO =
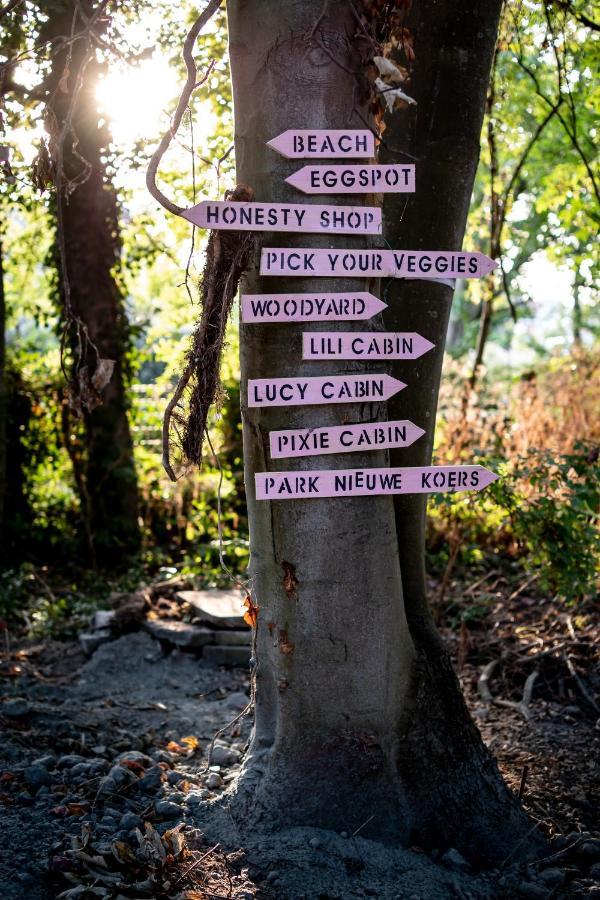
x=315, y=307
x=370, y=482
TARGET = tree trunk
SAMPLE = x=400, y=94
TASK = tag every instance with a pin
x=88, y=220
x=3, y=402
x=341, y=739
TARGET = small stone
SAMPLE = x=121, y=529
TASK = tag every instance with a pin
x=272, y=876
x=130, y=820
x=109, y=821
x=17, y=708
x=37, y=776
x=175, y=777
x=181, y=634
x=48, y=761
x=222, y=608
x=80, y=769
x=166, y=809
x=107, y=785
x=91, y=640
x=152, y=780
x=121, y=775
x=134, y=756
x=214, y=781
x=533, y=891
x=454, y=860
x=552, y=877
x=222, y=755
x=589, y=851
x=194, y=798
x=69, y=760
x=103, y=618
x=595, y=872
x=315, y=843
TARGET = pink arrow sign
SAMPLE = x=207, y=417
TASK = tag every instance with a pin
x=317, y=390
x=375, y=263
x=364, y=345
x=250, y=216
x=373, y=482
x=310, y=307
x=320, y=143
x=393, y=179
x=343, y=438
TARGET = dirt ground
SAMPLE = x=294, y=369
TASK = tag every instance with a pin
x=104, y=784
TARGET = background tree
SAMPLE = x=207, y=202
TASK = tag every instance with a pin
x=359, y=720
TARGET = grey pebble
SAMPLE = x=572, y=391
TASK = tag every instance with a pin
x=167, y=809
x=17, y=708
x=37, y=776
x=130, y=820
x=214, y=781
x=455, y=860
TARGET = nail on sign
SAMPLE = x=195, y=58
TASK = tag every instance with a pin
x=364, y=345
x=324, y=144
x=310, y=307
x=393, y=179
x=373, y=482
x=343, y=438
x=250, y=216
x=317, y=390
x=375, y=263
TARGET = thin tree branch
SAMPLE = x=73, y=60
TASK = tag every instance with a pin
x=190, y=86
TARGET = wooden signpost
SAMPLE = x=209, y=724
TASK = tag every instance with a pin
x=321, y=389
x=353, y=306
x=370, y=482
x=392, y=179
x=374, y=263
x=343, y=143
x=250, y=216
x=343, y=438
x=364, y=345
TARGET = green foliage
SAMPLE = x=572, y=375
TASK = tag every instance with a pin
x=544, y=511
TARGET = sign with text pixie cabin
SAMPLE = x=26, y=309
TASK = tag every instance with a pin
x=374, y=263
x=250, y=216
x=343, y=438
x=322, y=307
x=370, y=482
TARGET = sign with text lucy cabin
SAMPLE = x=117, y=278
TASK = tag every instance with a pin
x=364, y=345
x=320, y=143
x=375, y=179
x=316, y=390
x=370, y=482
x=310, y=219
x=323, y=307
x=374, y=263
x=343, y=438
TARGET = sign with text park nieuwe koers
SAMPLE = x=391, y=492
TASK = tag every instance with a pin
x=365, y=178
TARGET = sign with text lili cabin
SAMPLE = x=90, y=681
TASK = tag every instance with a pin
x=364, y=345
x=370, y=482
x=374, y=263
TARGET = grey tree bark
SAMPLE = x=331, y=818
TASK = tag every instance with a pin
x=354, y=721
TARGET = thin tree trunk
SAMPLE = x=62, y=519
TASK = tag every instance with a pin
x=3, y=402
x=340, y=680
x=88, y=226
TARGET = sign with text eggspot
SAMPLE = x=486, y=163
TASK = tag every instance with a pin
x=370, y=482
x=316, y=390
x=310, y=219
x=323, y=307
x=375, y=263
x=320, y=143
x=364, y=345
x=343, y=438
x=375, y=179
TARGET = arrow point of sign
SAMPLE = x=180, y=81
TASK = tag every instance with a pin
x=375, y=304
x=278, y=144
x=487, y=264
x=423, y=345
x=295, y=179
x=394, y=386
x=487, y=477
x=192, y=214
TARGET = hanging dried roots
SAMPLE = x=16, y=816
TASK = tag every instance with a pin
x=228, y=256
